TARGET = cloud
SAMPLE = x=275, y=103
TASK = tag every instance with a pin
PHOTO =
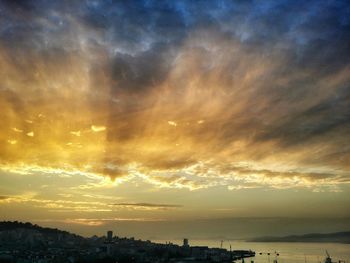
x=179, y=95
x=147, y=205
x=172, y=123
x=30, y=134
x=12, y=141
x=76, y=133
x=101, y=221
x=56, y=205
x=95, y=128
x=17, y=130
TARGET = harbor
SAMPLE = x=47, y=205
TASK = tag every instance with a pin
x=296, y=252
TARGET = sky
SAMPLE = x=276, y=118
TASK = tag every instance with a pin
x=151, y=113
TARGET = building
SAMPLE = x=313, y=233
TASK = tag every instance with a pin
x=185, y=244
x=109, y=236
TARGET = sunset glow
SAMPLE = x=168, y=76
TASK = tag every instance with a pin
x=151, y=112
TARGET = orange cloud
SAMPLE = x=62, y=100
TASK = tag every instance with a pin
x=218, y=106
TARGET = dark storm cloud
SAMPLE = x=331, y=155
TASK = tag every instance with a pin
x=305, y=27
x=134, y=22
x=328, y=115
x=146, y=69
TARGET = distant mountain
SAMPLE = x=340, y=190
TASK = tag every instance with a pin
x=339, y=237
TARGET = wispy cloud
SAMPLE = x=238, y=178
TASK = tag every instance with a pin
x=147, y=205
x=181, y=101
x=99, y=221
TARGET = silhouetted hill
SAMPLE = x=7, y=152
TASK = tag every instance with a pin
x=29, y=235
x=339, y=237
x=14, y=225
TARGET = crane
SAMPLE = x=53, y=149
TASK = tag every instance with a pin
x=328, y=258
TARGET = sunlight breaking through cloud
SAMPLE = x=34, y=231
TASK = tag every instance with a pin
x=203, y=98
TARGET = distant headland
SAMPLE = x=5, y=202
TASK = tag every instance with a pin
x=338, y=237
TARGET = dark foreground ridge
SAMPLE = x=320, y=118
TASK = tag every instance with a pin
x=338, y=237
x=25, y=242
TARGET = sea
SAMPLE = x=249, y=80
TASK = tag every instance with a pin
x=288, y=252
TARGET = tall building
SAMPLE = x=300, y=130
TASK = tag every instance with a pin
x=185, y=244
x=109, y=235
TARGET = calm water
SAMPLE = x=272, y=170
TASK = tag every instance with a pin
x=289, y=252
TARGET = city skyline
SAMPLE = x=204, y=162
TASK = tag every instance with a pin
x=150, y=112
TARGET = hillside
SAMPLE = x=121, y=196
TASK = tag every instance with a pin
x=14, y=225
